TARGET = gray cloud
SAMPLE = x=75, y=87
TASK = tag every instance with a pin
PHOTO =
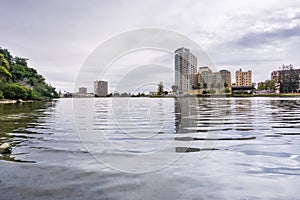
x=256, y=39
x=58, y=36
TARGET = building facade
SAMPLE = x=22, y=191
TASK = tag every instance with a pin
x=243, y=78
x=82, y=90
x=100, y=88
x=287, y=79
x=205, y=78
x=275, y=76
x=185, y=70
x=226, y=77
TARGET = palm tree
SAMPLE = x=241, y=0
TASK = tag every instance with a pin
x=4, y=67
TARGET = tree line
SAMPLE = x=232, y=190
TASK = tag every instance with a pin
x=18, y=81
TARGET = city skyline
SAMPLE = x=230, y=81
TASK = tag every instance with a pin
x=261, y=35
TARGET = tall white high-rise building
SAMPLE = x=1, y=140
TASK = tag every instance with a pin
x=185, y=70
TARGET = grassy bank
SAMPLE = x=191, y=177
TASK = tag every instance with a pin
x=266, y=95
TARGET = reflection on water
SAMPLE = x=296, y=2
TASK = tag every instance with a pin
x=194, y=119
x=251, y=148
x=18, y=122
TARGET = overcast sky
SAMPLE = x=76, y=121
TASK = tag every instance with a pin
x=58, y=35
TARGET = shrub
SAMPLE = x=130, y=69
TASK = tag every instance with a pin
x=205, y=92
x=1, y=95
x=17, y=91
x=212, y=91
x=31, y=94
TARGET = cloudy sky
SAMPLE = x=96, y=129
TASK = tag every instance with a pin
x=59, y=35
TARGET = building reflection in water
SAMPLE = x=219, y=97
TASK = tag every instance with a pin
x=185, y=114
x=198, y=123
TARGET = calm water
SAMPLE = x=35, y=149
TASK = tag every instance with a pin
x=152, y=148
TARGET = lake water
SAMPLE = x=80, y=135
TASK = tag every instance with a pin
x=152, y=148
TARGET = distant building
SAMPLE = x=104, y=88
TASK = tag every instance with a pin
x=100, y=88
x=205, y=78
x=243, y=78
x=152, y=94
x=185, y=70
x=82, y=90
x=82, y=93
x=275, y=75
x=226, y=77
x=204, y=69
x=287, y=79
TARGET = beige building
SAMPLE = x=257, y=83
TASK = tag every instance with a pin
x=243, y=78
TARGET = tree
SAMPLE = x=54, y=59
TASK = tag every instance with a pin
x=4, y=68
x=199, y=85
x=270, y=84
x=15, y=91
x=174, y=88
x=16, y=69
x=160, y=89
x=205, y=85
x=267, y=85
x=205, y=92
x=20, y=61
x=7, y=55
x=225, y=84
x=212, y=91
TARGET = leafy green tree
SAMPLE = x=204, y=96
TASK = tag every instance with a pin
x=199, y=85
x=7, y=56
x=1, y=95
x=270, y=84
x=4, y=68
x=261, y=86
x=267, y=85
x=17, y=69
x=15, y=91
x=31, y=94
x=20, y=61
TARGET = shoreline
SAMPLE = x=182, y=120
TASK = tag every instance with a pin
x=11, y=101
x=209, y=96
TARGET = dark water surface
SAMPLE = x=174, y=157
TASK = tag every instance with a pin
x=151, y=148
